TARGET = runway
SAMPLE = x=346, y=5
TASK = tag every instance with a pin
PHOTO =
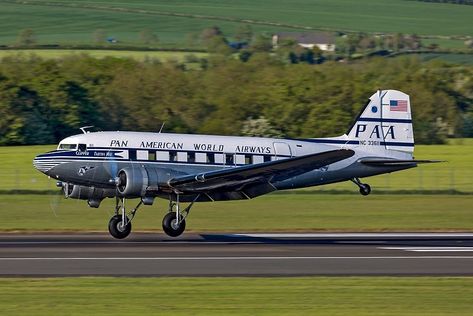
x=236, y=254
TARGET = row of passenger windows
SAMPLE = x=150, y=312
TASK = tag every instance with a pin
x=210, y=158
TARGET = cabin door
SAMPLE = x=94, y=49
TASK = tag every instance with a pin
x=282, y=150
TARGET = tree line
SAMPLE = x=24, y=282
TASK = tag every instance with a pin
x=45, y=100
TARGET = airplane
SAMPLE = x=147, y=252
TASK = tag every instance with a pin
x=191, y=168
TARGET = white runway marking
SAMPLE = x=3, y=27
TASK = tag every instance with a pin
x=431, y=249
x=356, y=235
x=232, y=258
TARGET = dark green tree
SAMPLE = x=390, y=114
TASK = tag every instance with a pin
x=26, y=37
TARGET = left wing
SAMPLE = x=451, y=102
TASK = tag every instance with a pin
x=254, y=180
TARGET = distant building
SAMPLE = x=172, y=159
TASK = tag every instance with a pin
x=238, y=45
x=324, y=41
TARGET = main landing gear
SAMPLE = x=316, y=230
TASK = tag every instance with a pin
x=119, y=225
x=174, y=222
x=365, y=188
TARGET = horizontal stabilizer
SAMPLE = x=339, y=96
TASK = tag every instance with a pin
x=395, y=162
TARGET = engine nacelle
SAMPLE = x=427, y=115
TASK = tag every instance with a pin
x=133, y=181
x=93, y=195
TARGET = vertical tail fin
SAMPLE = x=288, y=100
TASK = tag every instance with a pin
x=385, y=122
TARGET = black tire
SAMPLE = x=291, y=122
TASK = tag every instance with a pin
x=115, y=229
x=365, y=189
x=168, y=226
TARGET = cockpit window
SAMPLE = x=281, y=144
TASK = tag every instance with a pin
x=67, y=146
x=82, y=147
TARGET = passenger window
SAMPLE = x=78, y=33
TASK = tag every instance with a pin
x=200, y=157
x=82, y=147
x=257, y=159
x=267, y=158
x=219, y=158
x=172, y=156
x=181, y=156
x=162, y=155
x=239, y=159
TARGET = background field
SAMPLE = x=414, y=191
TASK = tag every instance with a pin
x=238, y=296
x=138, y=55
x=451, y=58
x=180, y=56
x=75, y=21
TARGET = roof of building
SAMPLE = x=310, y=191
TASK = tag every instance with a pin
x=308, y=37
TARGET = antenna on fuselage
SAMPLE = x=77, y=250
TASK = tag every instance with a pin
x=162, y=126
x=84, y=129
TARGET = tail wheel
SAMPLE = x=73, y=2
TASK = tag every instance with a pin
x=171, y=226
x=117, y=229
x=365, y=189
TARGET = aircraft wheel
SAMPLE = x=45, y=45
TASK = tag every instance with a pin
x=116, y=229
x=365, y=189
x=171, y=227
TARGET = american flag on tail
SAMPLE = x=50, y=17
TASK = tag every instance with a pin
x=398, y=105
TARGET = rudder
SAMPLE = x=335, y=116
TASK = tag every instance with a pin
x=385, y=122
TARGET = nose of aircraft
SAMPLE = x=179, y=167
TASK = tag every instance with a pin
x=43, y=163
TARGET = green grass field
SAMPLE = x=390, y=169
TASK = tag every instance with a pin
x=138, y=55
x=354, y=296
x=454, y=174
x=74, y=21
x=444, y=43
x=271, y=213
x=452, y=58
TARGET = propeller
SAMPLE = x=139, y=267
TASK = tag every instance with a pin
x=121, y=181
x=54, y=201
x=111, y=165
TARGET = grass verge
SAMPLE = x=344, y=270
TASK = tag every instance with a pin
x=238, y=296
x=274, y=212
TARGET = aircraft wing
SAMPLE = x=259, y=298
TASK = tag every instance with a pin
x=253, y=180
x=394, y=162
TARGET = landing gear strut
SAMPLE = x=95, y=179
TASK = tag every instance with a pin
x=174, y=222
x=119, y=225
x=365, y=188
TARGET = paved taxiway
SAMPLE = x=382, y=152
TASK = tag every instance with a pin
x=236, y=254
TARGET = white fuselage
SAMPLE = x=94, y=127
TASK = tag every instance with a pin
x=93, y=159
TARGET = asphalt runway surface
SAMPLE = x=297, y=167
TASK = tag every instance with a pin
x=236, y=254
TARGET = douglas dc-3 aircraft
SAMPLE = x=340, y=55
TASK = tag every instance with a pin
x=199, y=168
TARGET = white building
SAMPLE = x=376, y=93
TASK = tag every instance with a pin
x=324, y=41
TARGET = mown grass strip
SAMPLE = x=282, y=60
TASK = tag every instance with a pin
x=238, y=296
x=271, y=213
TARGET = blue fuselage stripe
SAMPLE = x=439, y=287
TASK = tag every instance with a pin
x=353, y=142
x=384, y=120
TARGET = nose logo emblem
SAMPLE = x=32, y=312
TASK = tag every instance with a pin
x=83, y=170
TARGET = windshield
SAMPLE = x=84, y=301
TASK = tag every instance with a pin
x=67, y=146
